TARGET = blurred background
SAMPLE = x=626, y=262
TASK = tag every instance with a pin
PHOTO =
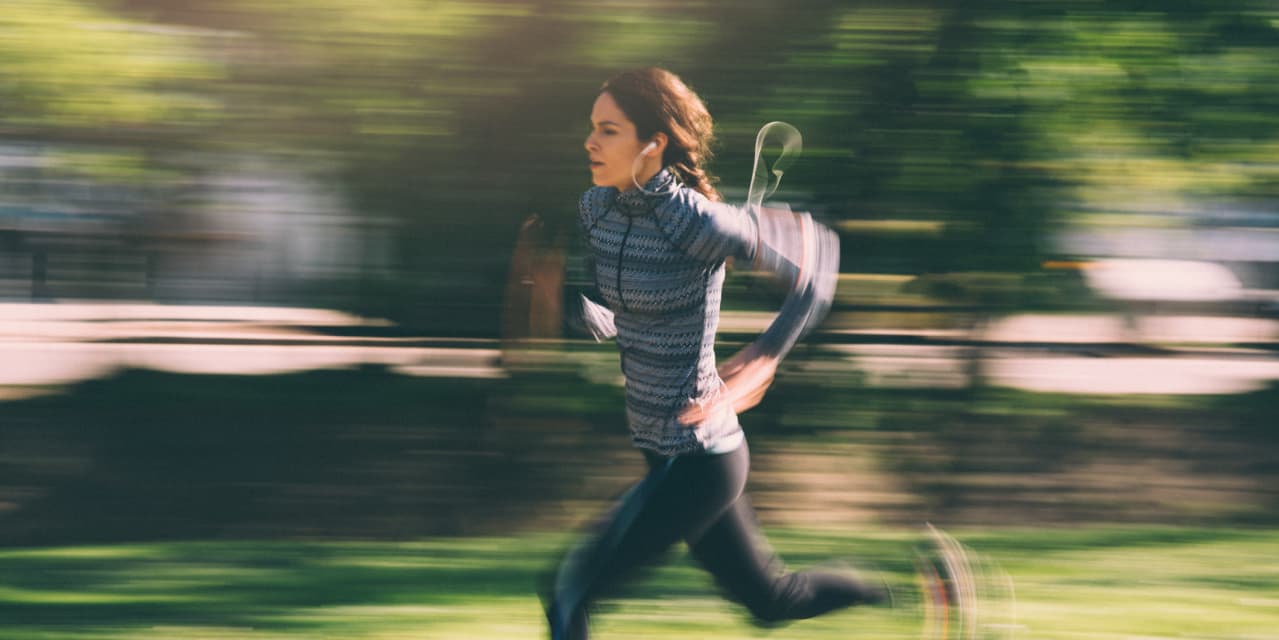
x=269, y=270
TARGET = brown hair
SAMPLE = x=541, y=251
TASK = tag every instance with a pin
x=656, y=100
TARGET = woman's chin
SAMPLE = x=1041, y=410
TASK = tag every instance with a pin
x=601, y=182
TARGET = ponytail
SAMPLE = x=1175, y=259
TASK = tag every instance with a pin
x=697, y=179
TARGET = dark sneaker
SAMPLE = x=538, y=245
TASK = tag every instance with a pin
x=948, y=588
x=934, y=595
x=867, y=584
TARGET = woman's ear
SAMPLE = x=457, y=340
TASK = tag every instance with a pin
x=658, y=145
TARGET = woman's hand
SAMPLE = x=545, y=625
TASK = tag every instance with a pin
x=747, y=376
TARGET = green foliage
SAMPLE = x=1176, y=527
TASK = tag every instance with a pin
x=71, y=65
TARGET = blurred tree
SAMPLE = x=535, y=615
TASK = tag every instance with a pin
x=73, y=72
x=969, y=132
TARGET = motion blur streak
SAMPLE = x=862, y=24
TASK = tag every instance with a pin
x=276, y=340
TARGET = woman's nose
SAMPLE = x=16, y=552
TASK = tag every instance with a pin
x=589, y=143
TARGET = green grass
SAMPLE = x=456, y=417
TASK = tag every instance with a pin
x=1100, y=583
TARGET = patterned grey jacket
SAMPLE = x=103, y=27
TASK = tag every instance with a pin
x=657, y=257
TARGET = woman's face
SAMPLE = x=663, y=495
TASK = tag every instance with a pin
x=613, y=145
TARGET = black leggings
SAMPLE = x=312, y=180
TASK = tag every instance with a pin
x=697, y=499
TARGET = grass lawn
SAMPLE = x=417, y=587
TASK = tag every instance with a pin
x=1096, y=583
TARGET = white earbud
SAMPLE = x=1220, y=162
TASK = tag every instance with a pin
x=639, y=159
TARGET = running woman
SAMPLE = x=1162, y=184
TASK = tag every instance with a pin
x=657, y=239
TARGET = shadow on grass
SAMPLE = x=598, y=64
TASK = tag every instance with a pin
x=363, y=453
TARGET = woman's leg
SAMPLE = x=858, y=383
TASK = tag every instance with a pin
x=678, y=499
x=735, y=552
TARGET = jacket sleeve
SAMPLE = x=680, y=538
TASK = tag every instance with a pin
x=587, y=313
x=805, y=254
x=797, y=250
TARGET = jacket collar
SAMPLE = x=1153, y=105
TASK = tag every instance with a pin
x=635, y=202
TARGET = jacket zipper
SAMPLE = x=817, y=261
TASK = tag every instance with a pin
x=629, y=221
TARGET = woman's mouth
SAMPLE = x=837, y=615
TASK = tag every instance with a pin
x=595, y=164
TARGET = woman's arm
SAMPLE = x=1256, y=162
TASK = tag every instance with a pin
x=587, y=312
x=798, y=251
x=805, y=255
